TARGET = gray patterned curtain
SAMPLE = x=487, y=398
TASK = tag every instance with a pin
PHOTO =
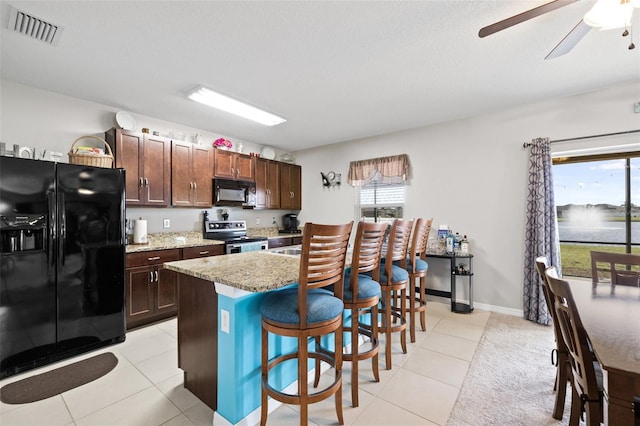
x=541, y=237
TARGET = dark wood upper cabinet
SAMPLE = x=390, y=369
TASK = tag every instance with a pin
x=233, y=165
x=192, y=174
x=290, y=187
x=147, y=161
x=267, y=184
x=161, y=172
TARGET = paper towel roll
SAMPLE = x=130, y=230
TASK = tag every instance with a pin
x=140, y=232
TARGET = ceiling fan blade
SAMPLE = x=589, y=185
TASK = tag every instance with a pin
x=570, y=40
x=524, y=16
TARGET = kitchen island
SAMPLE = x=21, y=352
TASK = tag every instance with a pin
x=219, y=325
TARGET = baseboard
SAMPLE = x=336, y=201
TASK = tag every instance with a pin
x=484, y=306
x=499, y=309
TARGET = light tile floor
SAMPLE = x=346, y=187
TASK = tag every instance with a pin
x=146, y=387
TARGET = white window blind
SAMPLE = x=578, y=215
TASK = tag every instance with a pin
x=381, y=194
x=381, y=202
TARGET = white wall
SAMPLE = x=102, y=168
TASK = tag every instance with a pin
x=472, y=175
x=469, y=174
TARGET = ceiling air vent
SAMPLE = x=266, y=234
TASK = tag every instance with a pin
x=33, y=27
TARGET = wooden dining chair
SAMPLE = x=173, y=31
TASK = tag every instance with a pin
x=361, y=296
x=586, y=373
x=417, y=267
x=561, y=358
x=393, y=284
x=308, y=311
x=622, y=268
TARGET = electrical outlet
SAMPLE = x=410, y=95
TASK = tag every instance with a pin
x=257, y=221
x=224, y=321
x=166, y=223
x=636, y=107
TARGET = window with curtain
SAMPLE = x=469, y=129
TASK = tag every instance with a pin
x=379, y=183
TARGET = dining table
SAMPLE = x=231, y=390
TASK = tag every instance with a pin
x=611, y=317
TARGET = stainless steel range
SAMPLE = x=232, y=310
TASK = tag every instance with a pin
x=234, y=235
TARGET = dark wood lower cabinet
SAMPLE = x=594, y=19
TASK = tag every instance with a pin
x=198, y=337
x=152, y=291
x=284, y=241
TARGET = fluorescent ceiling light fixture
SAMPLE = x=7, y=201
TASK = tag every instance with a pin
x=216, y=100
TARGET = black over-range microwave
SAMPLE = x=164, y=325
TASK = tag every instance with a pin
x=234, y=193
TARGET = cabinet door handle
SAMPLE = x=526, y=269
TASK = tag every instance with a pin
x=150, y=276
x=141, y=183
x=150, y=259
x=195, y=186
x=156, y=274
x=202, y=253
x=146, y=182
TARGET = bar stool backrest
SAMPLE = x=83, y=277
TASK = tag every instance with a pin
x=418, y=249
x=322, y=261
x=398, y=243
x=367, y=250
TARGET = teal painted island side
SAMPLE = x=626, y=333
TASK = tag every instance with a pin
x=220, y=356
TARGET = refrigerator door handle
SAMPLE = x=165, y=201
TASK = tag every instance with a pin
x=63, y=226
x=53, y=228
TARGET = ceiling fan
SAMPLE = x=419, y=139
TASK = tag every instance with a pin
x=604, y=15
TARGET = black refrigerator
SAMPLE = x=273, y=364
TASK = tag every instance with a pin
x=62, y=261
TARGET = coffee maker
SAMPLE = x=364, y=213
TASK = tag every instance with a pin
x=290, y=223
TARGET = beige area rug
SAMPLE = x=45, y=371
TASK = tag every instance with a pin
x=510, y=379
x=54, y=382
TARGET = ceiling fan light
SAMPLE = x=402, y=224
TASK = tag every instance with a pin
x=610, y=14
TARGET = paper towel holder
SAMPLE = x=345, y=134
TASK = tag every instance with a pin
x=140, y=231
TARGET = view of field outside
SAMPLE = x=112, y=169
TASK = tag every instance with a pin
x=590, y=202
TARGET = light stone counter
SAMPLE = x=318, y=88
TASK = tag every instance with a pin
x=269, y=232
x=167, y=240
x=253, y=272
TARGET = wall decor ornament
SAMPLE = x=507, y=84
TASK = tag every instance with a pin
x=331, y=179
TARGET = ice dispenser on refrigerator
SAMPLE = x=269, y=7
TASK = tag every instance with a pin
x=20, y=233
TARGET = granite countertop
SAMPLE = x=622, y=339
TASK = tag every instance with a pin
x=255, y=272
x=167, y=240
x=270, y=233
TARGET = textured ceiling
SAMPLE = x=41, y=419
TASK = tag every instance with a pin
x=335, y=70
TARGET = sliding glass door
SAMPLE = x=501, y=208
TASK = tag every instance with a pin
x=598, y=208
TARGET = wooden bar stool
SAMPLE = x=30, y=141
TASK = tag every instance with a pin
x=361, y=296
x=308, y=311
x=393, y=284
x=417, y=267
